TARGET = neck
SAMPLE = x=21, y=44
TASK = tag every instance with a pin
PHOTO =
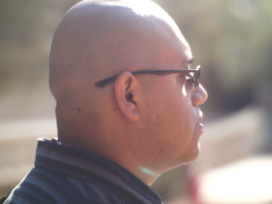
x=107, y=146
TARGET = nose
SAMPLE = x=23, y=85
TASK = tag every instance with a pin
x=199, y=96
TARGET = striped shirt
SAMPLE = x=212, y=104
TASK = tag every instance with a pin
x=64, y=174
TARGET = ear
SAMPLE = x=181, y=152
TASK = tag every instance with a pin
x=127, y=95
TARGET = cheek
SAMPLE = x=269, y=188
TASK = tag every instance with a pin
x=168, y=125
x=181, y=108
x=176, y=112
x=181, y=122
x=169, y=109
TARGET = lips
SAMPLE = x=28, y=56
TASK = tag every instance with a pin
x=199, y=126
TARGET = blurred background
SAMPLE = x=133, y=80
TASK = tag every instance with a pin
x=230, y=39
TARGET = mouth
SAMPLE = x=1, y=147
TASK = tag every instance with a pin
x=199, y=126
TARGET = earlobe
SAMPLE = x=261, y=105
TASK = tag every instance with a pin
x=126, y=95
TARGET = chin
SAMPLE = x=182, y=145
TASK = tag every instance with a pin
x=191, y=155
x=187, y=156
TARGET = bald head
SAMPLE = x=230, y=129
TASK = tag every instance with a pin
x=99, y=39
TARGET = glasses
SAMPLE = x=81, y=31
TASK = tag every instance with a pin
x=192, y=75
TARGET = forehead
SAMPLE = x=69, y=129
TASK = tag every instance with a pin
x=165, y=45
x=174, y=44
x=179, y=52
x=185, y=50
x=188, y=57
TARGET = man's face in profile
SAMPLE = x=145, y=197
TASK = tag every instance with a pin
x=138, y=121
x=172, y=106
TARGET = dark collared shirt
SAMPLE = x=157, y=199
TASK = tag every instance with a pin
x=64, y=174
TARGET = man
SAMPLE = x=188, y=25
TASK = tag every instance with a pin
x=116, y=136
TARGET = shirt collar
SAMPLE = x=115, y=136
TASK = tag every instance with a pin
x=67, y=160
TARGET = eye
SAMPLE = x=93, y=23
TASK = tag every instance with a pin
x=189, y=79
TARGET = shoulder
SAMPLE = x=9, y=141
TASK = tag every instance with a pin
x=44, y=187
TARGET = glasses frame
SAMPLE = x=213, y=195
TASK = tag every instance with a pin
x=196, y=75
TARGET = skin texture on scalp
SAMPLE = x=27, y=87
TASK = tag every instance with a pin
x=143, y=122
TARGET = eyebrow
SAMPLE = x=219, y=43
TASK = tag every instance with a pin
x=190, y=60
